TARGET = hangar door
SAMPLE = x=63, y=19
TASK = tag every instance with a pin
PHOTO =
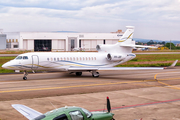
x=42, y=45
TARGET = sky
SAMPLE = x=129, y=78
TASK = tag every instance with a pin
x=153, y=19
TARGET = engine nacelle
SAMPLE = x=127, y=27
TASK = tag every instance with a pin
x=103, y=48
x=115, y=57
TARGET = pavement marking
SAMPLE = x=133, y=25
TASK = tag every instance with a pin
x=89, y=85
x=170, y=86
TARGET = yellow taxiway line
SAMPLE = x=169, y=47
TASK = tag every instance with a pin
x=170, y=86
x=90, y=85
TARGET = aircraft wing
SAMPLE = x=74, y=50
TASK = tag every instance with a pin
x=113, y=68
x=26, y=111
x=119, y=68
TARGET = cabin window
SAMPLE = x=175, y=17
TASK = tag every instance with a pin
x=54, y=59
x=57, y=59
x=89, y=58
x=51, y=59
x=74, y=58
x=18, y=57
x=25, y=57
x=67, y=58
x=80, y=58
x=86, y=58
x=83, y=58
x=71, y=58
x=64, y=58
x=76, y=115
x=77, y=58
x=47, y=59
x=61, y=58
x=94, y=58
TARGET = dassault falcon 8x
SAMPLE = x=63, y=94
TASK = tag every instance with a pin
x=108, y=56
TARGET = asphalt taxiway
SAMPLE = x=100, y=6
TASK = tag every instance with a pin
x=147, y=94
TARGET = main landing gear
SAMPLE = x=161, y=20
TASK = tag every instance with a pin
x=95, y=74
x=78, y=73
x=25, y=75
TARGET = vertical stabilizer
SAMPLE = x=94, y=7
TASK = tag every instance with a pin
x=128, y=35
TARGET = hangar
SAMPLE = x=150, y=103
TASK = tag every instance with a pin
x=59, y=41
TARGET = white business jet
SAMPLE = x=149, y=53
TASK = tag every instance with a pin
x=106, y=58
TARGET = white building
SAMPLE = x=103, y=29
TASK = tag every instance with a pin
x=58, y=41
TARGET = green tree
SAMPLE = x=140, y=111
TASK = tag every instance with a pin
x=172, y=46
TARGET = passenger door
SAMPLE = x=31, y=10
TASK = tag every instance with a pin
x=35, y=62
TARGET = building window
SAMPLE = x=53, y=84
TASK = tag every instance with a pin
x=15, y=46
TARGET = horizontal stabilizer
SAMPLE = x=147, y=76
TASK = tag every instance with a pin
x=136, y=46
x=26, y=111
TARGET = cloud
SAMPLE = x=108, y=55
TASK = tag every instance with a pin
x=92, y=16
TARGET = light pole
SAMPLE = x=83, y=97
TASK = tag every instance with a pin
x=170, y=44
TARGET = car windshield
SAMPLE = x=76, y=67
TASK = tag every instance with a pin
x=18, y=57
x=88, y=114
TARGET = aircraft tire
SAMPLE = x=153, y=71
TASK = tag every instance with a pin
x=24, y=78
x=78, y=73
x=95, y=76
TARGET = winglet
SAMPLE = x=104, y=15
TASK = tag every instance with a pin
x=173, y=65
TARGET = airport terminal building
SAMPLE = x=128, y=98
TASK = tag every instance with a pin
x=59, y=41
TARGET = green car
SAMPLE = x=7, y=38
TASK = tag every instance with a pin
x=65, y=113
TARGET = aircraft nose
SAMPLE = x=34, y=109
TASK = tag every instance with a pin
x=4, y=65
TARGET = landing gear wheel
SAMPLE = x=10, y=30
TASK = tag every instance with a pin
x=95, y=74
x=24, y=78
x=25, y=74
x=78, y=73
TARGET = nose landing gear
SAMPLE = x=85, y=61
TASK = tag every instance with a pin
x=25, y=75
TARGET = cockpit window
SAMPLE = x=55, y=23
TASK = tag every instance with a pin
x=18, y=57
x=25, y=57
x=88, y=114
x=76, y=115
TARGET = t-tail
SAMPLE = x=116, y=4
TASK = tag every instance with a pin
x=125, y=44
x=127, y=36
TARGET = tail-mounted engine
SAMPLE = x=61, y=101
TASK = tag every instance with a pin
x=115, y=57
